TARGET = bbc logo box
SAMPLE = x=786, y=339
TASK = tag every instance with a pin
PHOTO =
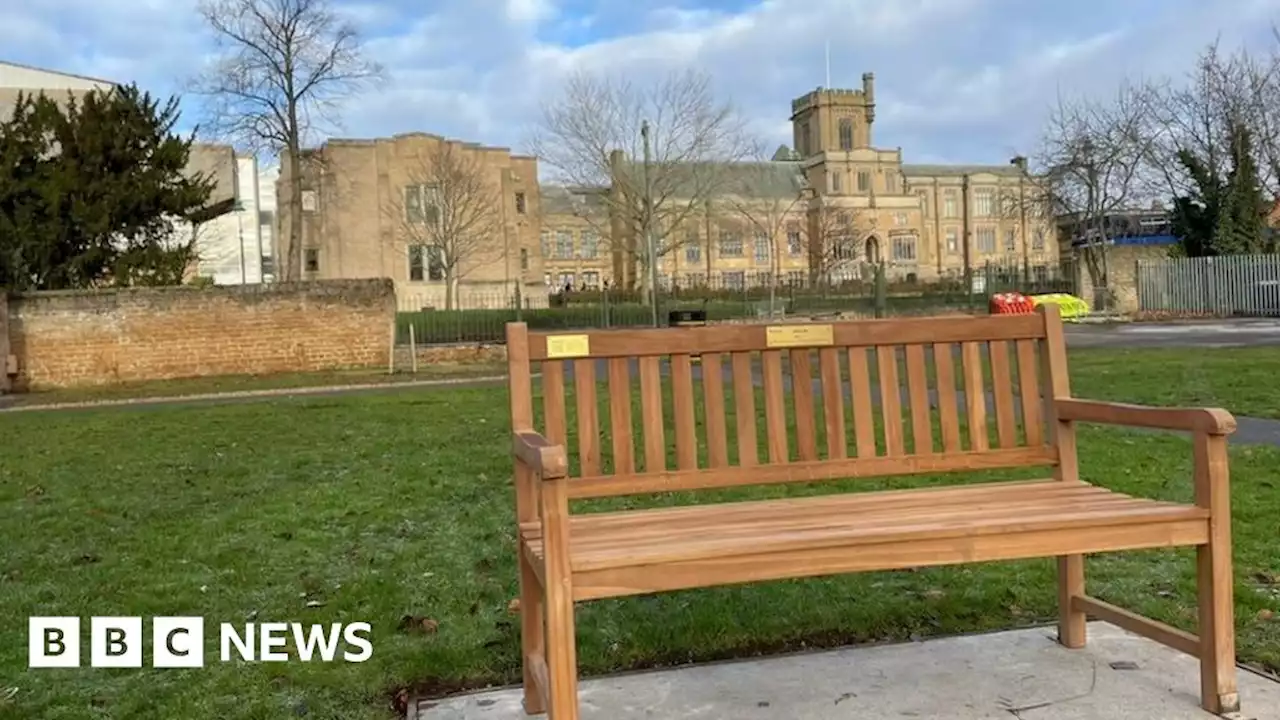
x=176, y=642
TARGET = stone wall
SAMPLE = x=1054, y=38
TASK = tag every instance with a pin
x=1122, y=269
x=71, y=338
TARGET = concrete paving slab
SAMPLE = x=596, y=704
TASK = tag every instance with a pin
x=1022, y=674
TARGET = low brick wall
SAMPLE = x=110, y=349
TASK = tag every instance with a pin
x=64, y=339
x=451, y=355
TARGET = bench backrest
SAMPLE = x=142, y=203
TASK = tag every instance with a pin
x=869, y=398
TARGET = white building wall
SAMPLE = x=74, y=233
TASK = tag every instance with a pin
x=230, y=247
x=267, y=220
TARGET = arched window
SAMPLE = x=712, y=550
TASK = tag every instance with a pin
x=846, y=133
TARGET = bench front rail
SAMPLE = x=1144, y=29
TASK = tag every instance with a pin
x=809, y=403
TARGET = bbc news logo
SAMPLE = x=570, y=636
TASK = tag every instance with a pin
x=178, y=642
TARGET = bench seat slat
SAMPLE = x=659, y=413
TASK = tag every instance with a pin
x=600, y=541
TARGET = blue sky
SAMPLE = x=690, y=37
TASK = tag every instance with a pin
x=957, y=80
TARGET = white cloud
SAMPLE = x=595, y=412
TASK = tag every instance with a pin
x=964, y=80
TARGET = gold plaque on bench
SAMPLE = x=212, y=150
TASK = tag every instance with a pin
x=783, y=336
x=568, y=346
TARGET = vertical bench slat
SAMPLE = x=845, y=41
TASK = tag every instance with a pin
x=1002, y=386
x=553, y=416
x=775, y=407
x=833, y=402
x=686, y=421
x=864, y=427
x=713, y=410
x=890, y=400
x=1029, y=389
x=624, y=449
x=802, y=397
x=584, y=391
x=975, y=396
x=918, y=391
x=744, y=404
x=944, y=367
x=655, y=439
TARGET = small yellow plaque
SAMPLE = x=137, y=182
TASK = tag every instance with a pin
x=783, y=336
x=568, y=346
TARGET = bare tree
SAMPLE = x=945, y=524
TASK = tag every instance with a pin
x=447, y=217
x=282, y=72
x=764, y=197
x=590, y=136
x=1091, y=161
x=835, y=243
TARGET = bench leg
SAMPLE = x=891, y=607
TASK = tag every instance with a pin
x=532, y=634
x=562, y=652
x=1071, y=624
x=1218, y=693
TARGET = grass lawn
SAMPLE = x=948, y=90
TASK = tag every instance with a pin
x=1243, y=380
x=242, y=383
x=387, y=507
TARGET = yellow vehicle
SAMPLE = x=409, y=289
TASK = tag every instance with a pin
x=1071, y=307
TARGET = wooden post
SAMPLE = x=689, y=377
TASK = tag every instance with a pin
x=391, y=349
x=1218, y=693
x=413, y=350
x=1062, y=434
x=6, y=383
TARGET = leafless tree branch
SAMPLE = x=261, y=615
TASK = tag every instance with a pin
x=282, y=71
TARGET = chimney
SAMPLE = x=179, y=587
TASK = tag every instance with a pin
x=869, y=91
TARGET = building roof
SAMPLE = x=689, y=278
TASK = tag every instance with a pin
x=959, y=170
x=59, y=73
x=562, y=200
x=769, y=179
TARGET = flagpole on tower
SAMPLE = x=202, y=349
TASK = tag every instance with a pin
x=828, y=59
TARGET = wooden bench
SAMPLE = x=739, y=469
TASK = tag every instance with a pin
x=567, y=558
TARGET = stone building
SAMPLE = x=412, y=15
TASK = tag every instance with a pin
x=375, y=208
x=830, y=206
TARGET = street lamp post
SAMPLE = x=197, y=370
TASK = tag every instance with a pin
x=650, y=249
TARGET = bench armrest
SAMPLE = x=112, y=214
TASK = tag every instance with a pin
x=540, y=455
x=1212, y=421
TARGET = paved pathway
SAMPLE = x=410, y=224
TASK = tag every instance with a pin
x=1244, y=332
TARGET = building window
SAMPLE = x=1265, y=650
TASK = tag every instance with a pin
x=425, y=263
x=546, y=243
x=864, y=181
x=734, y=280
x=805, y=139
x=953, y=241
x=520, y=207
x=421, y=204
x=590, y=245
x=795, y=278
x=1010, y=240
x=836, y=184
x=900, y=219
x=891, y=183
x=692, y=247
x=311, y=259
x=267, y=218
x=1037, y=240
x=564, y=244
x=795, y=246
x=846, y=133
x=524, y=258
x=591, y=280
x=730, y=244
x=950, y=207
x=565, y=281
x=924, y=202
x=692, y=279
x=986, y=240
x=762, y=248
x=984, y=203
x=904, y=248
x=309, y=201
